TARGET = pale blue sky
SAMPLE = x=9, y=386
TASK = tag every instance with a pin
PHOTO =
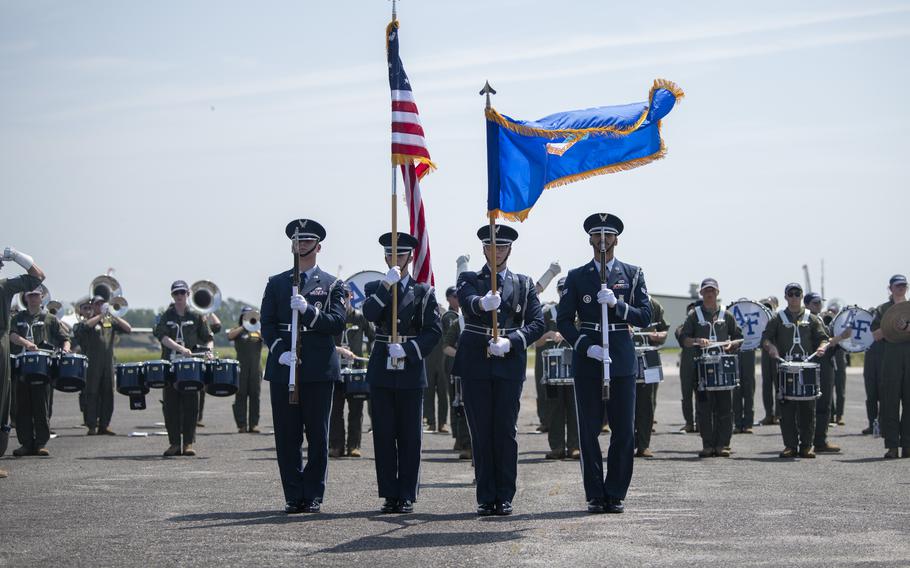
x=176, y=139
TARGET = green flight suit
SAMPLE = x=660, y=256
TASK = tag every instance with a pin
x=9, y=287
x=646, y=393
x=894, y=387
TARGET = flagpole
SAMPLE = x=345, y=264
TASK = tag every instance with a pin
x=394, y=338
x=488, y=90
x=604, y=318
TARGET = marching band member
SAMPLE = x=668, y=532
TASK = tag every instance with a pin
x=687, y=378
x=396, y=394
x=248, y=345
x=96, y=337
x=214, y=324
x=320, y=306
x=543, y=402
x=34, y=328
x=769, y=377
x=350, y=345
x=628, y=302
x=181, y=329
x=895, y=377
x=705, y=323
x=813, y=303
x=436, y=398
x=492, y=371
x=558, y=401
x=841, y=361
x=646, y=393
x=797, y=420
x=452, y=326
x=9, y=287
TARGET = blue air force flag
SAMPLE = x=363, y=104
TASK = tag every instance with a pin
x=526, y=157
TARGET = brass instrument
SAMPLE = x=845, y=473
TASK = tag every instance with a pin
x=118, y=306
x=250, y=321
x=205, y=297
x=105, y=286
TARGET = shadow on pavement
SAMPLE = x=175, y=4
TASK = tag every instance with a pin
x=445, y=485
x=153, y=457
x=864, y=460
x=423, y=540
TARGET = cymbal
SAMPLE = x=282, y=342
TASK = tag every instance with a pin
x=896, y=323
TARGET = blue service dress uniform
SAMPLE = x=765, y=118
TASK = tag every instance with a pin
x=633, y=307
x=491, y=386
x=397, y=395
x=319, y=371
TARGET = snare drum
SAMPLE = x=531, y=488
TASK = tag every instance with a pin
x=799, y=380
x=35, y=367
x=650, y=369
x=130, y=378
x=157, y=373
x=189, y=374
x=355, y=383
x=222, y=377
x=14, y=368
x=69, y=372
x=558, y=369
x=717, y=372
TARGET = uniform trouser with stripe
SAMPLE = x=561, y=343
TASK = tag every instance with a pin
x=687, y=383
x=436, y=401
x=872, y=367
x=769, y=386
x=797, y=423
x=542, y=402
x=895, y=393
x=744, y=394
x=715, y=418
x=32, y=423
x=563, y=432
x=620, y=455
x=823, y=402
x=302, y=483
x=645, y=396
x=397, y=431
x=246, y=401
x=840, y=382
x=180, y=415
x=99, y=398
x=355, y=421
x=491, y=406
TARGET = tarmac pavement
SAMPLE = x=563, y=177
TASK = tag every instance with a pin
x=114, y=501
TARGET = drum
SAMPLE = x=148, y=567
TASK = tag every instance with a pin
x=717, y=372
x=752, y=318
x=13, y=368
x=222, y=377
x=558, y=369
x=859, y=321
x=357, y=282
x=650, y=369
x=69, y=372
x=35, y=367
x=799, y=380
x=130, y=379
x=189, y=374
x=157, y=373
x=355, y=380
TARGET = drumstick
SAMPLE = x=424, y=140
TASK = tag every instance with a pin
x=723, y=343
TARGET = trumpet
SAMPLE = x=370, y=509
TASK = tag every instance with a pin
x=205, y=297
x=250, y=321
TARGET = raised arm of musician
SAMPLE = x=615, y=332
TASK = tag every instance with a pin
x=235, y=332
x=547, y=277
x=25, y=261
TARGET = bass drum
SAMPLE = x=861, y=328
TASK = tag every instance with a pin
x=358, y=282
x=752, y=318
x=859, y=321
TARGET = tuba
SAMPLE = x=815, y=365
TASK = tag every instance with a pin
x=250, y=321
x=105, y=286
x=205, y=297
x=118, y=306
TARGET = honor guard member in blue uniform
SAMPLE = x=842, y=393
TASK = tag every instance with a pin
x=320, y=304
x=628, y=302
x=493, y=372
x=397, y=373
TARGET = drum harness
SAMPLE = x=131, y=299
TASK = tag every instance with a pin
x=797, y=342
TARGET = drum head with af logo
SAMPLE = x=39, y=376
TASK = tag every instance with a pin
x=859, y=322
x=752, y=318
x=358, y=282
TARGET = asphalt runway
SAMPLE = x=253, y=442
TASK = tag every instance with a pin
x=114, y=501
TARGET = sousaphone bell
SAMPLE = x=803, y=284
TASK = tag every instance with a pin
x=205, y=297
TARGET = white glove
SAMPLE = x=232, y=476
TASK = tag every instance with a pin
x=597, y=352
x=396, y=351
x=606, y=297
x=298, y=303
x=490, y=302
x=555, y=268
x=463, y=259
x=23, y=260
x=392, y=276
x=287, y=358
x=500, y=346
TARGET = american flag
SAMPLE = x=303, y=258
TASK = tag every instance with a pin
x=409, y=150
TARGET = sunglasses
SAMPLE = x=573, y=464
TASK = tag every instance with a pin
x=179, y=293
x=794, y=294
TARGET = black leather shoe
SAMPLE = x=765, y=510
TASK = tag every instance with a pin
x=595, y=506
x=504, y=508
x=614, y=506
x=486, y=509
x=293, y=508
x=405, y=506
x=389, y=506
x=311, y=506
